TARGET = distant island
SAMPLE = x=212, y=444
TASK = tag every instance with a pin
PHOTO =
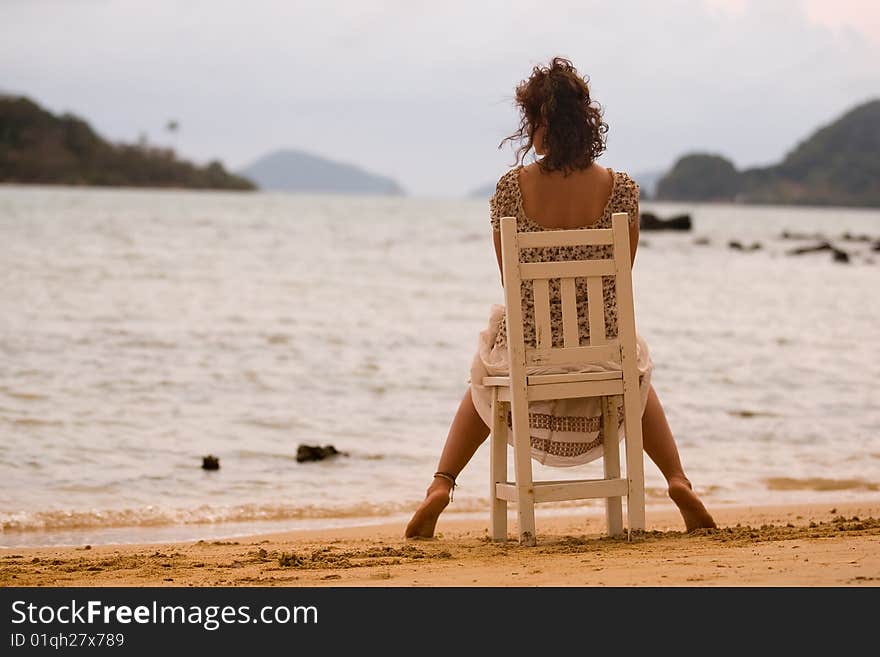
x=297, y=171
x=647, y=182
x=37, y=146
x=484, y=191
x=837, y=165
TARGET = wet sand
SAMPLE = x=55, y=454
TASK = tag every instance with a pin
x=812, y=545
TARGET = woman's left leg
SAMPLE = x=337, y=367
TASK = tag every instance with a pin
x=467, y=433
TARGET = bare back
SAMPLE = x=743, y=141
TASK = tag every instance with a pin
x=554, y=200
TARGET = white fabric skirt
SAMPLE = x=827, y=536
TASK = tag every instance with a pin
x=564, y=432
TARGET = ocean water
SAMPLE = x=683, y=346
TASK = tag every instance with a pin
x=142, y=330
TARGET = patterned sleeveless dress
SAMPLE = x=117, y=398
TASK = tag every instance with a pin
x=563, y=432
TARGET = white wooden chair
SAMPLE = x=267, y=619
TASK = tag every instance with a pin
x=512, y=393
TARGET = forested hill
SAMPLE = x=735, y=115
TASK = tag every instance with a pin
x=839, y=164
x=37, y=146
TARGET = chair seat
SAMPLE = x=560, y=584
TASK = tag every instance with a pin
x=545, y=379
x=575, y=385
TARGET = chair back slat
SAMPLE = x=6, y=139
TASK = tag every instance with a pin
x=596, y=236
x=567, y=272
x=513, y=307
x=566, y=269
x=596, y=310
x=543, y=332
x=567, y=355
x=570, y=331
x=626, y=322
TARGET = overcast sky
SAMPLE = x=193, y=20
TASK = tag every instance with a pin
x=422, y=91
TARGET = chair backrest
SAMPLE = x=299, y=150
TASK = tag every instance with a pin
x=619, y=266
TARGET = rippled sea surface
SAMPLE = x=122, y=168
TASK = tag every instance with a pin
x=142, y=330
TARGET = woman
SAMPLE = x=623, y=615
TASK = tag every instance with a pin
x=565, y=189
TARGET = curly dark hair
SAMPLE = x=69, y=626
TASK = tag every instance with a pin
x=557, y=97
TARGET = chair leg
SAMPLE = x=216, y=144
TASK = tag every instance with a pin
x=611, y=460
x=522, y=457
x=498, y=468
x=635, y=465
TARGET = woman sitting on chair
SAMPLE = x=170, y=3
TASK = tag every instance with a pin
x=565, y=189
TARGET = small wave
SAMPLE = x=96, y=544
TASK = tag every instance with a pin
x=256, y=454
x=819, y=484
x=281, y=425
x=148, y=343
x=747, y=413
x=19, y=394
x=34, y=422
x=28, y=372
x=660, y=493
x=151, y=516
x=254, y=377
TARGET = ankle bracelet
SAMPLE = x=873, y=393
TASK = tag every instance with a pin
x=448, y=477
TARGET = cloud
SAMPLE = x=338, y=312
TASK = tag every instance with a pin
x=857, y=16
x=422, y=91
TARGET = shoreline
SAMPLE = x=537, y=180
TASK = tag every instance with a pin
x=821, y=544
x=184, y=532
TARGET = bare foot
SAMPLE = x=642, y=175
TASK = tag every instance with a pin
x=692, y=510
x=425, y=518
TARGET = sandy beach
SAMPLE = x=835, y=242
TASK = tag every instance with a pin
x=807, y=545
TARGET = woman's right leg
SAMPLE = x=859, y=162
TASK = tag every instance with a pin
x=467, y=433
x=661, y=448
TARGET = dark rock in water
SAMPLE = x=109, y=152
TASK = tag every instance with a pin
x=702, y=241
x=210, y=462
x=849, y=237
x=739, y=246
x=821, y=246
x=837, y=255
x=650, y=221
x=791, y=235
x=840, y=256
x=876, y=246
x=316, y=453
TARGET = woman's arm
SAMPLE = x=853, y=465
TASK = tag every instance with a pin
x=634, y=235
x=496, y=237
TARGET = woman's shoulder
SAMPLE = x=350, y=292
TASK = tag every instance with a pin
x=623, y=182
x=626, y=191
x=508, y=183
x=505, y=201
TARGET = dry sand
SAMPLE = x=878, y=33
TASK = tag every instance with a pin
x=816, y=545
